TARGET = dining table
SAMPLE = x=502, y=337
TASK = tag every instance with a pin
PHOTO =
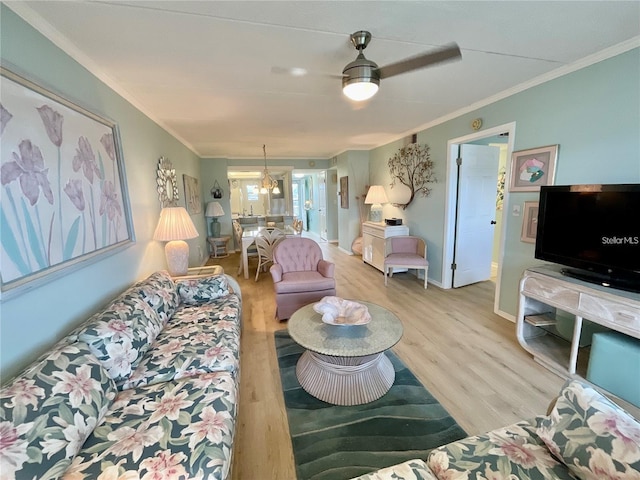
x=249, y=237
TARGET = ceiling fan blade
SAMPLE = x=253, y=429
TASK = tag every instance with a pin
x=446, y=53
x=301, y=72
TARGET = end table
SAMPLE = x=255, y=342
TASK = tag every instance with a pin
x=199, y=272
x=219, y=246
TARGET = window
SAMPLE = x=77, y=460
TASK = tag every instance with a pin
x=252, y=192
x=296, y=199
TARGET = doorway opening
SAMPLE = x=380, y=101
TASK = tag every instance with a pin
x=463, y=222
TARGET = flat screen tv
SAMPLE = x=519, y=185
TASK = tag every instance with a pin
x=594, y=230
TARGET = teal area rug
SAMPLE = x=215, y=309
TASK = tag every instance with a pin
x=333, y=443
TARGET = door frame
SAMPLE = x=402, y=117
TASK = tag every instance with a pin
x=322, y=204
x=450, y=202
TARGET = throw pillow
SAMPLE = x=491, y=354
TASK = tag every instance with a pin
x=592, y=436
x=196, y=291
x=121, y=335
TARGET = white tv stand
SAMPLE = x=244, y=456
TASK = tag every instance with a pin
x=543, y=289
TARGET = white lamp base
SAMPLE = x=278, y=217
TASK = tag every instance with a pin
x=376, y=213
x=177, y=253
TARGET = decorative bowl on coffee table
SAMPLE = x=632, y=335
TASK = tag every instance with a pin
x=338, y=311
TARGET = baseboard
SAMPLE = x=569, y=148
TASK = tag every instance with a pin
x=345, y=251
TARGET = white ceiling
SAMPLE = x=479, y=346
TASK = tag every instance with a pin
x=207, y=71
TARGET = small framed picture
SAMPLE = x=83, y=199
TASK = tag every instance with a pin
x=192, y=194
x=344, y=192
x=532, y=168
x=529, y=222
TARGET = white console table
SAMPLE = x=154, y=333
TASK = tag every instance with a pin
x=543, y=289
x=374, y=237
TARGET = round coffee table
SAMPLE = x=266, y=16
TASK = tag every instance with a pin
x=345, y=364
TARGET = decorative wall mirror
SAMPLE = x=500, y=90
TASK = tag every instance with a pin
x=167, y=183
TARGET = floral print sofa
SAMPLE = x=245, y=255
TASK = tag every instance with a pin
x=585, y=437
x=145, y=389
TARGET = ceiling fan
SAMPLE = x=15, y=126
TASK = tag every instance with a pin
x=361, y=78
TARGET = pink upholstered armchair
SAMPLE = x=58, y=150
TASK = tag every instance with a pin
x=405, y=251
x=300, y=275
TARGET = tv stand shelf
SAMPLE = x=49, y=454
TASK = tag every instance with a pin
x=543, y=290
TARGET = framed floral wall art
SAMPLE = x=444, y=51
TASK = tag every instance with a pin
x=63, y=186
x=533, y=168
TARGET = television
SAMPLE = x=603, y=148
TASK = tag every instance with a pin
x=594, y=230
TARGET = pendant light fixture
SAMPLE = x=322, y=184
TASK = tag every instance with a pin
x=268, y=182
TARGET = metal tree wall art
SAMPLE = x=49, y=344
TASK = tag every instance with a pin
x=412, y=166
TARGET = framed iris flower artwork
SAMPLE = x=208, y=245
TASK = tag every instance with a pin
x=62, y=184
x=530, y=169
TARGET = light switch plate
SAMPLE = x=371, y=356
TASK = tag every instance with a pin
x=515, y=211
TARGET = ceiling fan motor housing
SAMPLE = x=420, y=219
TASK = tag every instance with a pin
x=360, y=70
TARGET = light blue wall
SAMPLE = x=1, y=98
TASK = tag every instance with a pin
x=353, y=164
x=333, y=204
x=593, y=114
x=212, y=169
x=31, y=322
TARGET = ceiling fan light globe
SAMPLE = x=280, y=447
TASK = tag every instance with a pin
x=360, y=90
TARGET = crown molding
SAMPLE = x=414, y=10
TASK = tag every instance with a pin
x=61, y=41
x=552, y=75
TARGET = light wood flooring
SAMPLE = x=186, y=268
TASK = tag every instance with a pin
x=463, y=353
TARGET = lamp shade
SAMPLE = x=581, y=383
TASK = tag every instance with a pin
x=376, y=195
x=174, y=224
x=214, y=209
x=174, y=227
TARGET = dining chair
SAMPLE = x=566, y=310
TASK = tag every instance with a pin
x=252, y=251
x=266, y=240
x=405, y=251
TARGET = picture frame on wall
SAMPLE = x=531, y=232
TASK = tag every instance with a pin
x=529, y=222
x=532, y=168
x=344, y=192
x=65, y=202
x=192, y=200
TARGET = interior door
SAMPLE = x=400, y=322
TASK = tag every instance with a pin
x=322, y=204
x=475, y=216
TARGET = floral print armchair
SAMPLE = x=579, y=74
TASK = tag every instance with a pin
x=145, y=389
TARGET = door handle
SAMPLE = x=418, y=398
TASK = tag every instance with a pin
x=493, y=222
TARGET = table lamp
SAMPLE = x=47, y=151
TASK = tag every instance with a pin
x=214, y=210
x=174, y=227
x=376, y=197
